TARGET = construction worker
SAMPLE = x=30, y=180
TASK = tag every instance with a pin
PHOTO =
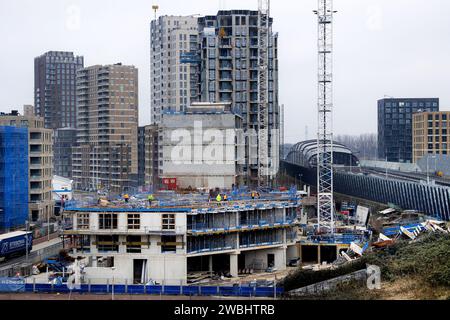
x=151, y=198
x=126, y=197
x=225, y=197
x=219, y=198
x=253, y=195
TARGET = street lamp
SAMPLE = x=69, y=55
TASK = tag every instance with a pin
x=48, y=224
x=428, y=167
x=27, y=244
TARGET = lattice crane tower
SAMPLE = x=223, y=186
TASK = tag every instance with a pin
x=264, y=174
x=325, y=200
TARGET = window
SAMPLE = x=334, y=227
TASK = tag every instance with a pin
x=105, y=262
x=108, y=243
x=83, y=221
x=134, y=221
x=168, y=222
x=107, y=221
x=134, y=244
x=84, y=243
x=168, y=243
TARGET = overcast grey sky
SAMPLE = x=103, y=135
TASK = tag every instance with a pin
x=382, y=47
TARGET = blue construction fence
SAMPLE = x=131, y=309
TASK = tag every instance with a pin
x=233, y=291
x=18, y=284
x=11, y=285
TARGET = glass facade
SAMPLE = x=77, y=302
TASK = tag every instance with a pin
x=395, y=141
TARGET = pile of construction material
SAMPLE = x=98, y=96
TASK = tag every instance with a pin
x=394, y=225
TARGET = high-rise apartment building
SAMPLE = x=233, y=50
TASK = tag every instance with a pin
x=230, y=72
x=55, y=88
x=395, y=138
x=217, y=60
x=55, y=99
x=64, y=139
x=40, y=141
x=174, y=84
x=106, y=155
x=153, y=158
x=431, y=134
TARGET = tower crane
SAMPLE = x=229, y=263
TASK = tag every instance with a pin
x=325, y=199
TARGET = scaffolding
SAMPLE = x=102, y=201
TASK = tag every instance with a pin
x=13, y=177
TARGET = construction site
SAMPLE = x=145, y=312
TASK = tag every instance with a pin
x=228, y=235
x=185, y=238
x=235, y=226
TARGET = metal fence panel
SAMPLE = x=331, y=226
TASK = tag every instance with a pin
x=12, y=284
x=244, y=291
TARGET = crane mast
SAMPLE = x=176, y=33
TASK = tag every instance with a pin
x=263, y=92
x=325, y=201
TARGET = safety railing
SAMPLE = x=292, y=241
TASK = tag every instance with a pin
x=247, y=225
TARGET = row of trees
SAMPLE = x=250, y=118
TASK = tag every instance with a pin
x=365, y=145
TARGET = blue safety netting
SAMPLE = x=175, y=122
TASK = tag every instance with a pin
x=13, y=177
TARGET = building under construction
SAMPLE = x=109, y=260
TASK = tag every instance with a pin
x=177, y=238
x=230, y=57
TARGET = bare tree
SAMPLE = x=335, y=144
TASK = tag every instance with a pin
x=364, y=145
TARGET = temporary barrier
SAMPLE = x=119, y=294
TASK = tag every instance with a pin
x=243, y=291
x=12, y=284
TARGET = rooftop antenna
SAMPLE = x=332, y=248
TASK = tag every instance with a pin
x=155, y=8
x=325, y=198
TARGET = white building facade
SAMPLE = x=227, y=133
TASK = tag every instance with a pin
x=173, y=84
x=203, y=147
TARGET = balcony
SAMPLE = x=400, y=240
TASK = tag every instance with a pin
x=36, y=165
x=36, y=178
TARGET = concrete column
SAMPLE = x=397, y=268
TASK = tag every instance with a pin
x=210, y=265
x=318, y=254
x=234, y=265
